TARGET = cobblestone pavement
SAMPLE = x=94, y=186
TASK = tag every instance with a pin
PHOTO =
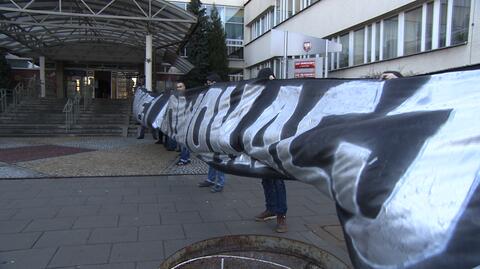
x=115, y=218
x=89, y=156
x=137, y=222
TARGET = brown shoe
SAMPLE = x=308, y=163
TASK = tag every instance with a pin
x=264, y=216
x=281, y=224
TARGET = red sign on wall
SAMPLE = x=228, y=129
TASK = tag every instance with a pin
x=304, y=64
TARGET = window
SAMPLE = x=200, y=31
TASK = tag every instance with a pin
x=442, y=37
x=460, y=21
x=234, y=31
x=369, y=43
x=448, y=21
x=429, y=27
x=377, y=41
x=261, y=25
x=390, y=34
x=413, y=31
x=233, y=15
x=359, y=46
x=343, y=61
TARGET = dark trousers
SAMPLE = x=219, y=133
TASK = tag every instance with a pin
x=275, y=195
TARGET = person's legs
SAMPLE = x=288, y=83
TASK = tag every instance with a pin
x=280, y=197
x=270, y=201
x=210, y=181
x=184, y=156
x=141, y=132
x=220, y=182
x=281, y=205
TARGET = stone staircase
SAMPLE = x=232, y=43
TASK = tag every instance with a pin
x=44, y=117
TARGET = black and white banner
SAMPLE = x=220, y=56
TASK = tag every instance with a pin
x=401, y=158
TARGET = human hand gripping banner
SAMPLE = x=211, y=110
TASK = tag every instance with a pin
x=400, y=158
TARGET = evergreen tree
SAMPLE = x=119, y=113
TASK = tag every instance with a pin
x=218, y=58
x=5, y=72
x=197, y=46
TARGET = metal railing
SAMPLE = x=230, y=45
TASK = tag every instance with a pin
x=72, y=110
x=3, y=100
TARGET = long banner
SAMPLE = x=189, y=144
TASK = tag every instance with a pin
x=401, y=158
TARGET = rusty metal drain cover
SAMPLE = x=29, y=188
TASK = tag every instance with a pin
x=252, y=252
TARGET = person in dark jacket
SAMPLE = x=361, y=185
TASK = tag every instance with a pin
x=273, y=189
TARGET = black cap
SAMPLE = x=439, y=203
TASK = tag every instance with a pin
x=214, y=77
x=265, y=73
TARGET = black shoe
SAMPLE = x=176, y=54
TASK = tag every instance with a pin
x=205, y=183
x=140, y=137
x=216, y=188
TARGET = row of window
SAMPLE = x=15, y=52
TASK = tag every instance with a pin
x=231, y=17
x=282, y=10
x=262, y=24
x=433, y=25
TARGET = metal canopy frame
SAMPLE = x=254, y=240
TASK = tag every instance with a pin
x=91, y=30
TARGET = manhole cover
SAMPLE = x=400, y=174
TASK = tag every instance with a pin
x=252, y=252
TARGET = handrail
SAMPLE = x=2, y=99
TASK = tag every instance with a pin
x=72, y=110
x=68, y=110
x=3, y=100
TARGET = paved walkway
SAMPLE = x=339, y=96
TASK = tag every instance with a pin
x=89, y=156
x=135, y=221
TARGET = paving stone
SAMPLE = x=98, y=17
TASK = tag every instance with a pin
x=6, y=214
x=17, y=241
x=34, y=213
x=143, y=199
x=250, y=226
x=26, y=259
x=67, y=201
x=138, y=251
x=112, y=235
x=29, y=203
x=156, y=208
x=299, y=210
x=62, y=238
x=140, y=220
x=172, y=246
x=205, y=230
x=148, y=265
x=161, y=232
x=219, y=215
x=85, y=210
x=12, y=226
x=13, y=171
x=181, y=218
x=129, y=265
x=119, y=209
x=189, y=206
x=95, y=222
x=80, y=255
x=50, y=224
x=168, y=198
x=106, y=199
x=335, y=231
x=323, y=220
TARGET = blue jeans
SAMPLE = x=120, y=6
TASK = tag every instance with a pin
x=212, y=174
x=275, y=195
x=171, y=144
x=184, y=154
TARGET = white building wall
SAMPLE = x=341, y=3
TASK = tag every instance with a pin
x=328, y=17
x=255, y=8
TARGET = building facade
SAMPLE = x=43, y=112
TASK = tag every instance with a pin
x=231, y=13
x=413, y=37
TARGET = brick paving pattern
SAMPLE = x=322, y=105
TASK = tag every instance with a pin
x=135, y=221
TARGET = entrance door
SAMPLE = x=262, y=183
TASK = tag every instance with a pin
x=104, y=84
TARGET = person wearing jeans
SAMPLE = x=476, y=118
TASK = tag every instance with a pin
x=215, y=179
x=184, y=156
x=274, y=189
x=213, y=174
x=275, y=203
